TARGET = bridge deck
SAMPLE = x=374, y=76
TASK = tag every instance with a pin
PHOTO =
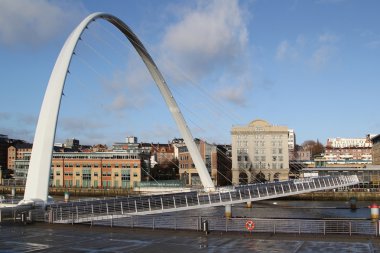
x=88, y=211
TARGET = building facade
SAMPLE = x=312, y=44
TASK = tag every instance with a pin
x=17, y=152
x=216, y=160
x=292, y=144
x=3, y=151
x=376, y=150
x=90, y=169
x=259, y=153
x=349, y=150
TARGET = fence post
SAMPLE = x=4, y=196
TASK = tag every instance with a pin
x=350, y=228
x=299, y=227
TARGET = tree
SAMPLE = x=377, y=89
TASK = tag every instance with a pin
x=315, y=147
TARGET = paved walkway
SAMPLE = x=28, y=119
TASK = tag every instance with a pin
x=82, y=238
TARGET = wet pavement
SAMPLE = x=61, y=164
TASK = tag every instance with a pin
x=83, y=238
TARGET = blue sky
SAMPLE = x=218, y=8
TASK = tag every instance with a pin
x=311, y=65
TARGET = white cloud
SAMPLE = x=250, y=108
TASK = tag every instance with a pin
x=288, y=51
x=328, y=38
x=35, y=22
x=212, y=35
x=285, y=51
x=321, y=56
x=234, y=94
x=130, y=87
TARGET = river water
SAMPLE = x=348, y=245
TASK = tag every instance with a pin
x=289, y=209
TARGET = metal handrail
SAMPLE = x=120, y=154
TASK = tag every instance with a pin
x=112, y=208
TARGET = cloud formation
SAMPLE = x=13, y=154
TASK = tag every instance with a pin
x=24, y=22
x=212, y=35
x=211, y=39
x=316, y=53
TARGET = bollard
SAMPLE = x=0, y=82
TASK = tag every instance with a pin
x=67, y=197
x=228, y=212
x=374, y=211
x=205, y=226
x=353, y=203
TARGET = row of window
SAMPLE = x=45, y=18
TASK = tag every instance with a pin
x=104, y=174
x=124, y=165
x=87, y=183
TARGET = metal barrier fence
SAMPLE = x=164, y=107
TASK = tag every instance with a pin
x=273, y=226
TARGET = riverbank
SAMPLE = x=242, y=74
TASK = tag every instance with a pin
x=341, y=196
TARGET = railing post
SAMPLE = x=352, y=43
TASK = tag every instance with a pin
x=290, y=188
x=121, y=207
x=274, y=187
x=209, y=198
x=162, y=204
x=240, y=195
x=350, y=228
x=77, y=213
x=230, y=195
x=220, y=198
x=187, y=204
x=296, y=186
x=107, y=207
x=299, y=227
x=258, y=191
x=150, y=208
x=249, y=192
x=135, y=206
x=198, y=199
x=175, y=206
x=283, y=192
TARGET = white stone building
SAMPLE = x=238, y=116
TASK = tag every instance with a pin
x=259, y=152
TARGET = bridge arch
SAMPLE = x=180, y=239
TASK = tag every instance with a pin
x=37, y=183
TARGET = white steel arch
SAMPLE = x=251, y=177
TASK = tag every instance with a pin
x=37, y=183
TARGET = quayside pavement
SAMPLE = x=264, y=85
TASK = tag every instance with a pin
x=42, y=237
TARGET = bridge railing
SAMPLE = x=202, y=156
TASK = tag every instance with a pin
x=85, y=211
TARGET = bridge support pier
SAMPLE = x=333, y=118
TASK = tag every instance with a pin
x=249, y=204
x=228, y=211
